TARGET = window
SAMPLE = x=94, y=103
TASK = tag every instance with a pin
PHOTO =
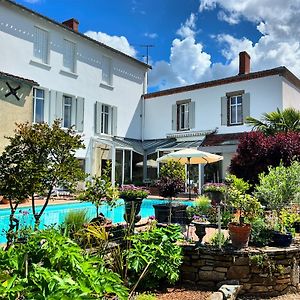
x=38, y=105
x=107, y=70
x=235, y=110
x=106, y=119
x=67, y=111
x=105, y=116
x=41, y=45
x=183, y=115
x=69, y=61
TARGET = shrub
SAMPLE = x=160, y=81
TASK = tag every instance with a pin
x=256, y=152
x=51, y=266
x=132, y=192
x=156, y=252
x=74, y=221
x=279, y=187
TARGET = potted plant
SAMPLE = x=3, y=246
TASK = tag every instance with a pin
x=98, y=191
x=247, y=208
x=133, y=197
x=170, y=183
x=214, y=191
x=277, y=190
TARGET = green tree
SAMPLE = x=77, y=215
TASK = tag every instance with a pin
x=44, y=157
x=277, y=121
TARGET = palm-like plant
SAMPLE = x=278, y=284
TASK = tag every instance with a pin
x=277, y=121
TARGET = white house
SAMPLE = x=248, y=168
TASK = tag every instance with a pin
x=81, y=81
x=211, y=115
x=103, y=92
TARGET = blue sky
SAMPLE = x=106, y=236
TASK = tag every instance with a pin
x=194, y=40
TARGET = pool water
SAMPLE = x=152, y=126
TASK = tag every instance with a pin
x=55, y=214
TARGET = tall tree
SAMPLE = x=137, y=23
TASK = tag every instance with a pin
x=45, y=158
x=277, y=121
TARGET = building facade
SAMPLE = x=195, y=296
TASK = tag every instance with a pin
x=81, y=81
x=103, y=93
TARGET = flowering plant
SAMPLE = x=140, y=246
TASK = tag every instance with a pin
x=132, y=192
x=214, y=187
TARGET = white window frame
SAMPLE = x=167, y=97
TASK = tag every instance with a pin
x=70, y=68
x=71, y=105
x=107, y=79
x=106, y=115
x=44, y=57
x=35, y=98
x=183, y=116
x=233, y=109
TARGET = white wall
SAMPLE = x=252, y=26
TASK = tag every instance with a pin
x=265, y=96
x=291, y=95
x=16, y=52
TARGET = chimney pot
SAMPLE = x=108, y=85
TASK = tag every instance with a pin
x=72, y=23
x=244, y=63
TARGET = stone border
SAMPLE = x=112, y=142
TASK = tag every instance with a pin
x=260, y=271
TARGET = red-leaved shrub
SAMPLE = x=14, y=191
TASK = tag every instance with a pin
x=256, y=152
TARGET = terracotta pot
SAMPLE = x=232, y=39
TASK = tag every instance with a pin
x=239, y=234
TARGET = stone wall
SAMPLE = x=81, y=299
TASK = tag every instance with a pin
x=272, y=271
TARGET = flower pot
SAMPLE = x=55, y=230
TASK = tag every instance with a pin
x=216, y=197
x=239, y=234
x=178, y=213
x=132, y=209
x=296, y=225
x=200, y=230
x=282, y=239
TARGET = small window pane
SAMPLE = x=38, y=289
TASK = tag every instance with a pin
x=67, y=112
x=38, y=103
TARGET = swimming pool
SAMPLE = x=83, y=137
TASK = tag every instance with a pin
x=55, y=214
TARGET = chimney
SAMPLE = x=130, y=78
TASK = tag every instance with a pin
x=244, y=63
x=72, y=23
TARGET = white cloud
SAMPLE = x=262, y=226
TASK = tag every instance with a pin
x=188, y=28
x=277, y=21
x=117, y=42
x=151, y=35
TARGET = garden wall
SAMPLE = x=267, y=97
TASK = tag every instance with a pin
x=272, y=271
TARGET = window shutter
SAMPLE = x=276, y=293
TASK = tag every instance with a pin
x=192, y=114
x=79, y=114
x=174, y=117
x=246, y=106
x=52, y=106
x=98, y=110
x=224, y=117
x=69, y=55
x=46, y=105
x=59, y=105
x=114, y=120
x=107, y=70
x=41, y=47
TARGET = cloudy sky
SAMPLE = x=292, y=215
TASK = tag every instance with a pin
x=191, y=40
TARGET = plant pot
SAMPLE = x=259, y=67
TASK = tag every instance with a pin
x=200, y=230
x=239, y=234
x=282, y=239
x=296, y=225
x=132, y=210
x=178, y=213
x=216, y=197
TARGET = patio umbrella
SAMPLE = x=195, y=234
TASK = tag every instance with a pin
x=151, y=163
x=191, y=156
